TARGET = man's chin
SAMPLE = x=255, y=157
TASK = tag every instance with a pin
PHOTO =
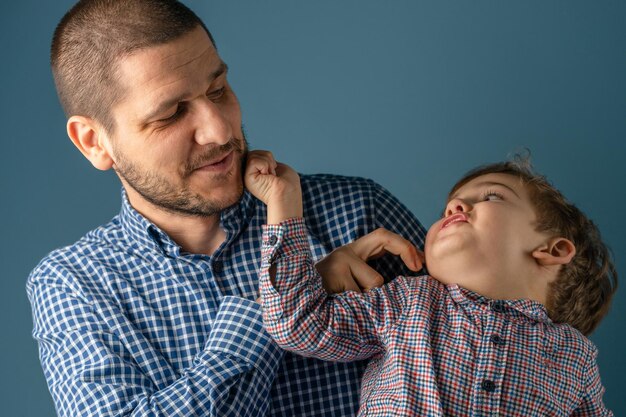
x=220, y=199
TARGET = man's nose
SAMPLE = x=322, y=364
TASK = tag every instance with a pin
x=211, y=124
x=457, y=205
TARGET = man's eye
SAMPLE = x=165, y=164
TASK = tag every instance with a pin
x=216, y=94
x=179, y=111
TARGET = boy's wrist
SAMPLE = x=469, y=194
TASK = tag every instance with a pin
x=283, y=207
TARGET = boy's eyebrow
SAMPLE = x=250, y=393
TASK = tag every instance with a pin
x=223, y=68
x=483, y=183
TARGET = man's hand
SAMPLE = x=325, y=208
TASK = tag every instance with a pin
x=275, y=184
x=346, y=268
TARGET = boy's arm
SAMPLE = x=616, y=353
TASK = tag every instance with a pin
x=275, y=184
x=302, y=317
x=278, y=186
x=593, y=391
x=298, y=312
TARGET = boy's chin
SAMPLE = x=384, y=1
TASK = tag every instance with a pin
x=450, y=265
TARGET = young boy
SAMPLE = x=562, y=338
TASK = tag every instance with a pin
x=514, y=270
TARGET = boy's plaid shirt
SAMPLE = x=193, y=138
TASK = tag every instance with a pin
x=436, y=349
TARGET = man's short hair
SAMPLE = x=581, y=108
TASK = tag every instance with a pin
x=582, y=293
x=92, y=37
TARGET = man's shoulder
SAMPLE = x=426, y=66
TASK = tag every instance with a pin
x=343, y=198
x=336, y=182
x=86, y=253
x=328, y=189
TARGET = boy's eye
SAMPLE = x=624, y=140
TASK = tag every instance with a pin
x=491, y=196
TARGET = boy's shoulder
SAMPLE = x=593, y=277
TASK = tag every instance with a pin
x=420, y=289
x=570, y=344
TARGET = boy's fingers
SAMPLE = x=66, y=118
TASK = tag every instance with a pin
x=259, y=165
x=262, y=161
x=269, y=159
x=381, y=241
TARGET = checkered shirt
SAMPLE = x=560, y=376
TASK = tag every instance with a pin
x=436, y=349
x=129, y=324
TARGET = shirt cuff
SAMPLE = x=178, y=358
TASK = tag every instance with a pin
x=238, y=331
x=282, y=243
x=288, y=238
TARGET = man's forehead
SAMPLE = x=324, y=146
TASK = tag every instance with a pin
x=172, y=59
x=155, y=74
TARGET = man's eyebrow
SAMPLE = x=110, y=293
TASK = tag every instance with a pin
x=222, y=69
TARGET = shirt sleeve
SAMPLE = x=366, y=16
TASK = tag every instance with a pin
x=303, y=318
x=593, y=390
x=392, y=215
x=92, y=370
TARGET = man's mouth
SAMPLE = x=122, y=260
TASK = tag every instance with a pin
x=455, y=218
x=218, y=164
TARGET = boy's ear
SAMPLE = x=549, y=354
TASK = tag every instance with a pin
x=89, y=137
x=556, y=251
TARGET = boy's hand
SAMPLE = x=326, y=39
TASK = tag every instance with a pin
x=275, y=184
x=346, y=268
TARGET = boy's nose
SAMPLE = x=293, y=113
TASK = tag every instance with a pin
x=456, y=205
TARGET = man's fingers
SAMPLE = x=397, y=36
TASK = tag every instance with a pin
x=364, y=275
x=380, y=241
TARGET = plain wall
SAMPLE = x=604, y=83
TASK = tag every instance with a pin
x=409, y=93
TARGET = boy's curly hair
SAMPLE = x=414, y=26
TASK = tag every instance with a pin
x=582, y=293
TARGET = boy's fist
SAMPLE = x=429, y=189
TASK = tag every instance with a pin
x=275, y=184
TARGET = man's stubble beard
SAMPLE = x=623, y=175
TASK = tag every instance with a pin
x=164, y=194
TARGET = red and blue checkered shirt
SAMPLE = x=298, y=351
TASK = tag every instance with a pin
x=435, y=349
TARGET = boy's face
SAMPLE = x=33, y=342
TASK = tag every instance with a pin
x=487, y=233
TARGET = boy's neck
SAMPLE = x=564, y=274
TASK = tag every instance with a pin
x=501, y=284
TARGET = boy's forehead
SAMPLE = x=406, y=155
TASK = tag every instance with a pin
x=514, y=183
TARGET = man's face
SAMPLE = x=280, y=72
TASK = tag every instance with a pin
x=178, y=140
x=489, y=223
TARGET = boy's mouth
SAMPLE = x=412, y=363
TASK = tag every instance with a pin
x=455, y=218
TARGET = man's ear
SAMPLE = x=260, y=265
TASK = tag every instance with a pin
x=89, y=137
x=556, y=251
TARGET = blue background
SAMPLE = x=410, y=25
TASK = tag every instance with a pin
x=411, y=94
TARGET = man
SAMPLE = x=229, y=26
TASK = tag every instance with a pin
x=154, y=313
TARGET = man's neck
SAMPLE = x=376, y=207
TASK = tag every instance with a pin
x=194, y=234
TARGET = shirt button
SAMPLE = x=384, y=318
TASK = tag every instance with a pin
x=273, y=240
x=217, y=267
x=498, y=307
x=488, y=385
x=497, y=340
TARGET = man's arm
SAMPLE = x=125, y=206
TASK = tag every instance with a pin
x=95, y=368
x=393, y=216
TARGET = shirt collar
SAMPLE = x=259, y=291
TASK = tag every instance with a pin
x=528, y=308
x=144, y=234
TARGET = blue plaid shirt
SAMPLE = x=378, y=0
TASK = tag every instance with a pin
x=129, y=324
